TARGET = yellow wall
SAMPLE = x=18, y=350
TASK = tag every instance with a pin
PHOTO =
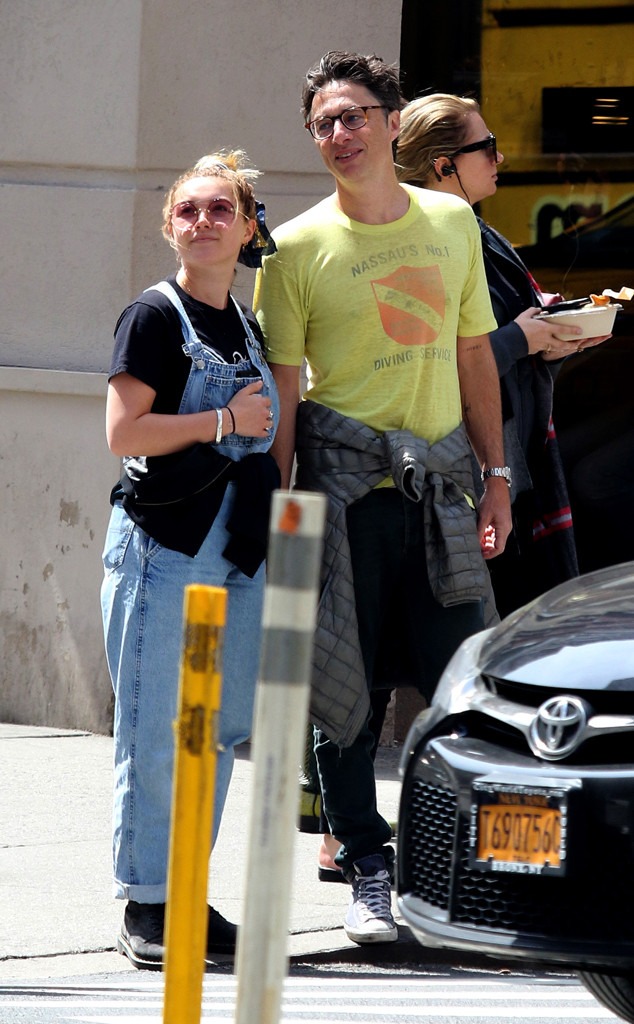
x=516, y=64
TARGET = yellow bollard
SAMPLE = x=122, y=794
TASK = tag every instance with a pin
x=196, y=730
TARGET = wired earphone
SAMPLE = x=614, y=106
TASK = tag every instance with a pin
x=446, y=171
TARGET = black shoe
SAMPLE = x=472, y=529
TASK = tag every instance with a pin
x=331, y=875
x=141, y=938
x=221, y=934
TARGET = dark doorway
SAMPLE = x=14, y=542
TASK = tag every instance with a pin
x=440, y=47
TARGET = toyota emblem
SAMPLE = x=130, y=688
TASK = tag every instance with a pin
x=558, y=727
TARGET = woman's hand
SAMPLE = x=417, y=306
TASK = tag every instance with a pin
x=554, y=341
x=252, y=411
x=581, y=346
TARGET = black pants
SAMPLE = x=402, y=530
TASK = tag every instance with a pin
x=389, y=565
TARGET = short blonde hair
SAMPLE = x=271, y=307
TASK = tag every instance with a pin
x=231, y=165
x=431, y=126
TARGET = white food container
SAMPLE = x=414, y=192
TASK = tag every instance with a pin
x=594, y=321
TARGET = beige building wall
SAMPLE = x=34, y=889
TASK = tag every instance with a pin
x=104, y=102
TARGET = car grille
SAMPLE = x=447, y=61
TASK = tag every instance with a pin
x=587, y=905
x=429, y=841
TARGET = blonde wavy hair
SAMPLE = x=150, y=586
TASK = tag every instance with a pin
x=431, y=126
x=232, y=165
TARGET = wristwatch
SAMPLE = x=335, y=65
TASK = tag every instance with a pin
x=504, y=471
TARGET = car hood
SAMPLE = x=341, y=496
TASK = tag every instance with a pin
x=578, y=635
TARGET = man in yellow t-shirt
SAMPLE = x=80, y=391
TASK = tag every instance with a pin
x=376, y=309
x=381, y=288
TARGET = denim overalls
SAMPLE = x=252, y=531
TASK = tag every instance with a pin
x=212, y=383
x=142, y=608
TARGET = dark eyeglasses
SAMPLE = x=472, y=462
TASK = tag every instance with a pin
x=489, y=143
x=352, y=118
x=217, y=211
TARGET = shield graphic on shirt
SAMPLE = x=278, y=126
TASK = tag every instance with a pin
x=411, y=304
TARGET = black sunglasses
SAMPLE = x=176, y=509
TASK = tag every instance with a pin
x=489, y=143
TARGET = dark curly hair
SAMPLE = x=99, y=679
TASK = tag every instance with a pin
x=379, y=78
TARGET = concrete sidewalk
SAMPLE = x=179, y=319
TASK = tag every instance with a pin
x=57, y=914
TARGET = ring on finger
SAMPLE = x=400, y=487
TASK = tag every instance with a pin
x=270, y=414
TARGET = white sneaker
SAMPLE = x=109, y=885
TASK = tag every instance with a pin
x=369, y=917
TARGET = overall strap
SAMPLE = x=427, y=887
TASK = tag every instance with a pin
x=252, y=341
x=192, y=346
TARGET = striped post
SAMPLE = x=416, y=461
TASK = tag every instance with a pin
x=196, y=731
x=290, y=607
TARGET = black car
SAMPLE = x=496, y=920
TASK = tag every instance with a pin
x=516, y=826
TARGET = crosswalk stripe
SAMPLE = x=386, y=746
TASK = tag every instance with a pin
x=414, y=1000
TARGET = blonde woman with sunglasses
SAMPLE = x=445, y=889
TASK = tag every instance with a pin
x=445, y=145
x=192, y=410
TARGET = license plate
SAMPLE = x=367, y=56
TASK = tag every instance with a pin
x=520, y=829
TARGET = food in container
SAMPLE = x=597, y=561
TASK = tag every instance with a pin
x=595, y=316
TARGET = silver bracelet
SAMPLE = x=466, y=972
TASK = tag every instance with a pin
x=219, y=426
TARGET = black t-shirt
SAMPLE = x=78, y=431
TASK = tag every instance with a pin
x=148, y=345
x=149, y=340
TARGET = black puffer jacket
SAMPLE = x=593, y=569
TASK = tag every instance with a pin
x=531, y=450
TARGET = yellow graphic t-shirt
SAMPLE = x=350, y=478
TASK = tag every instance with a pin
x=376, y=309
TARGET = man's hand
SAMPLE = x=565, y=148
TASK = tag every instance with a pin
x=494, y=517
x=482, y=412
x=283, y=448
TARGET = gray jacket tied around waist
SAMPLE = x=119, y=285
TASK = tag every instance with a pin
x=345, y=460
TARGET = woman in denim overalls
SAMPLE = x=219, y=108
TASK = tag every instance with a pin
x=187, y=370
